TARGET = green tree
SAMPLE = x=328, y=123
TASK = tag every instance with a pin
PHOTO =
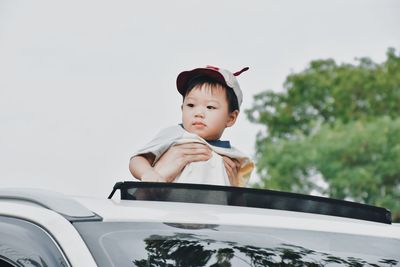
x=334, y=123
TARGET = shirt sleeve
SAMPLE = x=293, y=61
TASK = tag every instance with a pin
x=161, y=142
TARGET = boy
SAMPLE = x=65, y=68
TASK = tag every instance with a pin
x=211, y=101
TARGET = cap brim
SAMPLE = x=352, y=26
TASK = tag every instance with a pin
x=184, y=77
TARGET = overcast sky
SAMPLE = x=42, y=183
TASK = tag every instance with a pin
x=83, y=84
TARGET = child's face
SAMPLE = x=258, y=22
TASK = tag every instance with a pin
x=205, y=112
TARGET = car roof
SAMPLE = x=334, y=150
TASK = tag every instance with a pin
x=120, y=210
x=250, y=197
x=175, y=212
x=60, y=203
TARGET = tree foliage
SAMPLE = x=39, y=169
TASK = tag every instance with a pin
x=335, y=130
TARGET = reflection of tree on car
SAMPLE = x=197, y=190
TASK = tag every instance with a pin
x=181, y=249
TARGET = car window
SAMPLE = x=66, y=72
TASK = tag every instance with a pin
x=23, y=243
x=6, y=263
x=169, y=244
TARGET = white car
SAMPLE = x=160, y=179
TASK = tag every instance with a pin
x=158, y=224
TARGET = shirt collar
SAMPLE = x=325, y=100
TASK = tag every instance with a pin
x=217, y=143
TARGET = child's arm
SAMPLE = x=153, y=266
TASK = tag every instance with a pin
x=140, y=167
x=174, y=160
x=170, y=164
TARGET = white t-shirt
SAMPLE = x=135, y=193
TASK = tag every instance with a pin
x=211, y=171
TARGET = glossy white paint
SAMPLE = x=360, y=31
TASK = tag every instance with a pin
x=153, y=211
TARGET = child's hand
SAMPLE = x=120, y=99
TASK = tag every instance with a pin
x=232, y=167
x=172, y=162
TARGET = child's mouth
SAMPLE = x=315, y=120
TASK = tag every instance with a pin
x=198, y=124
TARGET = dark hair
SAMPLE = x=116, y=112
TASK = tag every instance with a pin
x=230, y=94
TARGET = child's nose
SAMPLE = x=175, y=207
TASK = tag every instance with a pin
x=199, y=112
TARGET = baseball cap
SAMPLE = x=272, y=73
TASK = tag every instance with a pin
x=222, y=76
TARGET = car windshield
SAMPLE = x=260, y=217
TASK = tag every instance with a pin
x=171, y=244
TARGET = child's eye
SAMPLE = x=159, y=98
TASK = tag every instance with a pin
x=190, y=105
x=211, y=107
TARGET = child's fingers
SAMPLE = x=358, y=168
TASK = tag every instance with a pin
x=191, y=146
x=195, y=158
x=231, y=170
x=238, y=165
x=193, y=149
x=233, y=163
x=228, y=168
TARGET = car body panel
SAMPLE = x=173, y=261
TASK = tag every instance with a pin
x=309, y=230
x=61, y=230
x=154, y=211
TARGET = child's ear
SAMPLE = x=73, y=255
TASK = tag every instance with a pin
x=232, y=118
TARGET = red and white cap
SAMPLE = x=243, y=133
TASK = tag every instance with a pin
x=222, y=76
